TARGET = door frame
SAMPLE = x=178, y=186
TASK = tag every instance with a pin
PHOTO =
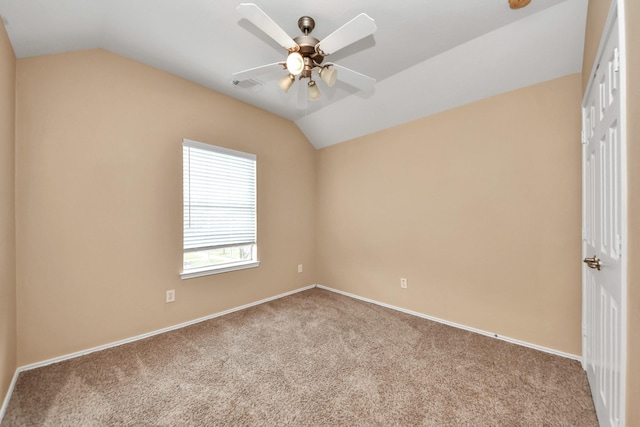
x=616, y=12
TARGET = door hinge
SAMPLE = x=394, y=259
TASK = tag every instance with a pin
x=616, y=60
x=584, y=235
x=583, y=138
x=619, y=245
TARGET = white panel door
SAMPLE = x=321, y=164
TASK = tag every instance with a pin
x=603, y=192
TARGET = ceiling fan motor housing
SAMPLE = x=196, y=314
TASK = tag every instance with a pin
x=308, y=47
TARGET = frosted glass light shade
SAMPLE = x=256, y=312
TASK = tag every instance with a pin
x=295, y=63
x=286, y=82
x=329, y=75
x=314, y=92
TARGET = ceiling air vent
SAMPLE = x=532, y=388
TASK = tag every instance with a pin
x=251, y=84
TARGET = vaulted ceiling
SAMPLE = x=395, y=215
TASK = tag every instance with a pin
x=426, y=55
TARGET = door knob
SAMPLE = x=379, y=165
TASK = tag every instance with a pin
x=593, y=262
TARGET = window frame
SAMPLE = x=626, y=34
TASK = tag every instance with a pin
x=187, y=273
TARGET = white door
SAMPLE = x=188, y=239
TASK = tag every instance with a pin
x=604, y=187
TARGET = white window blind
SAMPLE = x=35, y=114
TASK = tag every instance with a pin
x=219, y=197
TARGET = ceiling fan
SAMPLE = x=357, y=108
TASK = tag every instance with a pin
x=306, y=53
x=517, y=4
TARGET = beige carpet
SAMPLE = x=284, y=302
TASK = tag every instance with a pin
x=313, y=358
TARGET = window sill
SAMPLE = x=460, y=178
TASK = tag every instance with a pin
x=217, y=270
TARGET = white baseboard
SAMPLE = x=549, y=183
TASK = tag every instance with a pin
x=5, y=403
x=232, y=310
x=132, y=339
x=457, y=325
x=159, y=331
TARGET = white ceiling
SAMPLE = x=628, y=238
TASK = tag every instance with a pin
x=427, y=55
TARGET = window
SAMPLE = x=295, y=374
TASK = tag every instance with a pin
x=219, y=194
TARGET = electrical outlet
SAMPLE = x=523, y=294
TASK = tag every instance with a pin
x=171, y=296
x=403, y=283
x=299, y=268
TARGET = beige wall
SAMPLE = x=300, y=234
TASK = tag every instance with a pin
x=99, y=206
x=7, y=214
x=479, y=207
x=596, y=19
x=460, y=203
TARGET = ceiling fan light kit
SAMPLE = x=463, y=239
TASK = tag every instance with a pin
x=329, y=75
x=295, y=63
x=306, y=53
x=286, y=82
x=314, y=92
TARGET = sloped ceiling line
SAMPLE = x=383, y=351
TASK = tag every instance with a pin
x=483, y=67
x=427, y=55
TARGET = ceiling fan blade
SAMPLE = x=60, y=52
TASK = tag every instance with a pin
x=354, y=78
x=257, y=17
x=257, y=71
x=358, y=28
